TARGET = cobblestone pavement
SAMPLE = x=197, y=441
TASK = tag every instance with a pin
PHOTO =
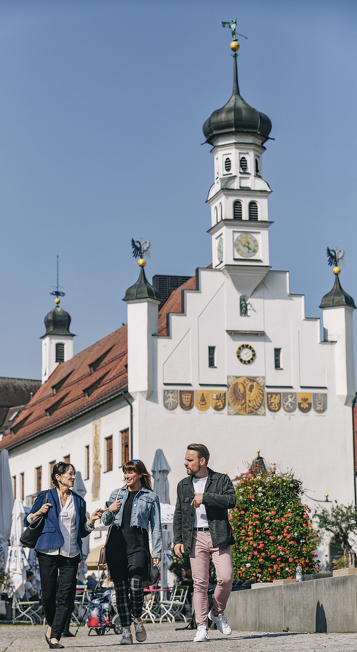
x=23, y=638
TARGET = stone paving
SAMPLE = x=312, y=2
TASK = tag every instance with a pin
x=23, y=638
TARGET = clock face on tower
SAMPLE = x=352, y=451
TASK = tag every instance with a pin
x=220, y=250
x=246, y=245
x=246, y=354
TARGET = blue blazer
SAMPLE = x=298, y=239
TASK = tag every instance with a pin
x=51, y=536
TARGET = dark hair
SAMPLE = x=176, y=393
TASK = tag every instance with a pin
x=188, y=574
x=139, y=467
x=29, y=573
x=59, y=469
x=201, y=450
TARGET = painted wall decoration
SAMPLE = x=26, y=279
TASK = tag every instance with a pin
x=96, y=430
x=319, y=402
x=289, y=402
x=202, y=399
x=218, y=400
x=186, y=399
x=170, y=399
x=304, y=402
x=273, y=401
x=246, y=395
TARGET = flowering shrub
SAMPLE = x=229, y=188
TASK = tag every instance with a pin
x=272, y=528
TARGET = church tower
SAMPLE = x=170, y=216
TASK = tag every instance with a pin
x=57, y=342
x=239, y=194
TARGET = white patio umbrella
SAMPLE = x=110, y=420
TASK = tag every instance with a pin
x=160, y=470
x=6, y=501
x=17, y=563
x=80, y=488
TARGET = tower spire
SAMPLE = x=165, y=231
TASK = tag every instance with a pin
x=235, y=76
x=57, y=293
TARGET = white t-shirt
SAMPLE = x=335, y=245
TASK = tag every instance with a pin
x=28, y=586
x=199, y=485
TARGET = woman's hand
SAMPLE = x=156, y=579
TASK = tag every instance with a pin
x=114, y=507
x=43, y=510
x=97, y=515
x=156, y=561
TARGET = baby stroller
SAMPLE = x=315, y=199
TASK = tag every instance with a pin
x=102, y=616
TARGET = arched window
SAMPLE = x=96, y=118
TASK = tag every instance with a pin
x=227, y=164
x=253, y=210
x=60, y=352
x=237, y=210
x=243, y=164
x=215, y=215
x=256, y=166
x=220, y=212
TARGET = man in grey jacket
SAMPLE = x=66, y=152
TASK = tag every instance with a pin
x=202, y=529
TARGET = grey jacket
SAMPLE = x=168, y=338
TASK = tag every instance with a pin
x=219, y=496
x=145, y=510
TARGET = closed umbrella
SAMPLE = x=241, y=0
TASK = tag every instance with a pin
x=80, y=488
x=160, y=470
x=6, y=501
x=17, y=563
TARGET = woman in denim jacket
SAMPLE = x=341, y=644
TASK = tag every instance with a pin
x=129, y=512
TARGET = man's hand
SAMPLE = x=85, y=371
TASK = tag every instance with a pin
x=155, y=561
x=179, y=550
x=198, y=500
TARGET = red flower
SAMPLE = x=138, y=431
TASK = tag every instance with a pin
x=291, y=559
x=273, y=513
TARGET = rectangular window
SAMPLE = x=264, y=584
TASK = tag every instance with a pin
x=59, y=352
x=86, y=462
x=51, y=465
x=277, y=359
x=211, y=356
x=38, y=479
x=109, y=453
x=14, y=486
x=124, y=446
x=67, y=459
x=22, y=485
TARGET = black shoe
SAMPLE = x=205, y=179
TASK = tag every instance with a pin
x=56, y=646
x=47, y=639
x=67, y=635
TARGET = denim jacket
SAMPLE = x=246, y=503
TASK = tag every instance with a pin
x=145, y=510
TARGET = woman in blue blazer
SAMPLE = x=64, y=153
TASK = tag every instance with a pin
x=59, y=548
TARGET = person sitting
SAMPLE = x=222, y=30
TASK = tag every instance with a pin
x=91, y=582
x=31, y=595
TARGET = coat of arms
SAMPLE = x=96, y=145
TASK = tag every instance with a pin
x=273, y=401
x=305, y=402
x=203, y=400
x=246, y=395
x=218, y=400
x=170, y=399
x=319, y=402
x=186, y=399
x=289, y=402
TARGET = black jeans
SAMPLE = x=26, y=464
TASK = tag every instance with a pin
x=55, y=568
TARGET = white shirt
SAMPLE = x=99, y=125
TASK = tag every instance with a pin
x=199, y=485
x=68, y=525
x=28, y=586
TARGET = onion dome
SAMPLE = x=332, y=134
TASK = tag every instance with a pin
x=337, y=297
x=57, y=321
x=142, y=290
x=258, y=464
x=236, y=116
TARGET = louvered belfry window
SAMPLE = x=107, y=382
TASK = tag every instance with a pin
x=243, y=164
x=60, y=352
x=237, y=210
x=253, y=210
x=227, y=164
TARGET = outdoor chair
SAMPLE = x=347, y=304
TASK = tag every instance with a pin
x=28, y=612
x=173, y=608
x=80, y=606
x=151, y=608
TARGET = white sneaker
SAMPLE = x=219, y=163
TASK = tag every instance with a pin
x=221, y=622
x=127, y=637
x=202, y=635
x=140, y=629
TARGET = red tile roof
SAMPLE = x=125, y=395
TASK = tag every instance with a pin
x=77, y=390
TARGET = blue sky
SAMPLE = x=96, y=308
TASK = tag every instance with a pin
x=102, y=104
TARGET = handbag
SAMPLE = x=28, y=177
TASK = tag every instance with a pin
x=32, y=533
x=102, y=553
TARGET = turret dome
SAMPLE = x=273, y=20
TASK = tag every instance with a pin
x=57, y=322
x=236, y=116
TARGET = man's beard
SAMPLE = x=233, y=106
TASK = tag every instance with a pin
x=190, y=472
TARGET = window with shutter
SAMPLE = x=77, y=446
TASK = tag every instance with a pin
x=237, y=210
x=109, y=453
x=253, y=210
x=243, y=164
x=60, y=352
x=124, y=446
x=14, y=486
x=86, y=462
x=22, y=485
x=220, y=212
x=227, y=164
x=38, y=478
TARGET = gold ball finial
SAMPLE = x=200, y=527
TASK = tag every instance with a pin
x=234, y=46
x=142, y=262
x=326, y=495
x=292, y=475
x=258, y=450
x=336, y=270
x=57, y=301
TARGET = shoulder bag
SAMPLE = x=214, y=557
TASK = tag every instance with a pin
x=102, y=554
x=32, y=533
